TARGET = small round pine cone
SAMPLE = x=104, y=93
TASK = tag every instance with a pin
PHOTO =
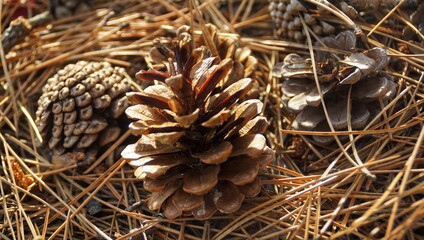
x=201, y=145
x=285, y=15
x=80, y=107
x=358, y=71
x=67, y=8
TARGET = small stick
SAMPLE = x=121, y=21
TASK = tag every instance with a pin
x=21, y=27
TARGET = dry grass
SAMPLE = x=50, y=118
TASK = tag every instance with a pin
x=318, y=194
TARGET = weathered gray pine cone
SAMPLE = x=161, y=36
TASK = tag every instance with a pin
x=80, y=106
x=372, y=5
x=287, y=14
x=416, y=18
x=201, y=146
x=359, y=71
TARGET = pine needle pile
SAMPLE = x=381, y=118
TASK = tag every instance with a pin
x=243, y=119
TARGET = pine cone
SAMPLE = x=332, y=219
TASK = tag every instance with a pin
x=80, y=106
x=373, y=5
x=67, y=8
x=416, y=17
x=285, y=15
x=357, y=70
x=200, y=148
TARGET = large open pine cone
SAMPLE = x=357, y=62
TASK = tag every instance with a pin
x=359, y=71
x=80, y=106
x=201, y=146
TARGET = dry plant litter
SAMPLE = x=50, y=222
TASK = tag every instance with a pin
x=367, y=184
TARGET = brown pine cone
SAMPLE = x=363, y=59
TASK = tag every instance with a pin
x=357, y=70
x=80, y=106
x=201, y=146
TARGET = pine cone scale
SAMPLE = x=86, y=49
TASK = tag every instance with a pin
x=230, y=95
x=144, y=114
x=199, y=70
x=251, y=145
x=158, y=184
x=227, y=197
x=199, y=181
x=160, y=165
x=158, y=198
x=147, y=99
x=86, y=141
x=239, y=171
x=206, y=209
x=185, y=201
x=170, y=211
x=251, y=189
x=206, y=87
x=217, y=154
